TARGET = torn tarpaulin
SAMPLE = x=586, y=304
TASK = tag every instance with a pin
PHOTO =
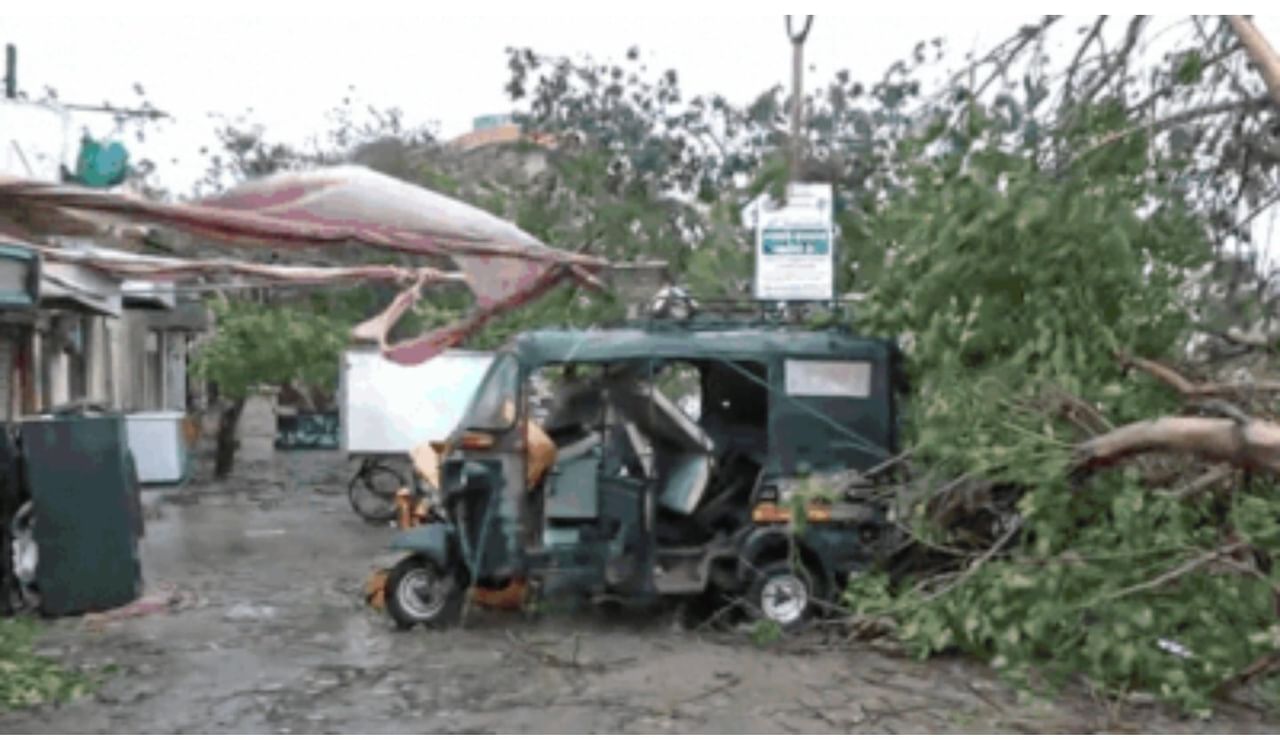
x=423, y=348
x=137, y=266
x=503, y=266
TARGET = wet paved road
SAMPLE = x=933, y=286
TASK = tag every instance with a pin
x=271, y=635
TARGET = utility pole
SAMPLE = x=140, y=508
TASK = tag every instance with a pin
x=10, y=71
x=11, y=92
x=796, y=154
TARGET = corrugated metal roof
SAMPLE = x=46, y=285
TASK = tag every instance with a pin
x=79, y=287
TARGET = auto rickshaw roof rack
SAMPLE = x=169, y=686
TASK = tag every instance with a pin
x=674, y=307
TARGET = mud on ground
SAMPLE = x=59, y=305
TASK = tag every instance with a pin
x=270, y=634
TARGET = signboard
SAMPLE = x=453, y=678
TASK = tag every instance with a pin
x=19, y=277
x=388, y=408
x=828, y=379
x=795, y=256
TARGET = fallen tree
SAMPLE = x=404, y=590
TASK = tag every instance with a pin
x=1246, y=443
x=1065, y=519
x=1238, y=439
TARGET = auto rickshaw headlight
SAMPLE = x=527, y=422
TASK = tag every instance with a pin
x=477, y=441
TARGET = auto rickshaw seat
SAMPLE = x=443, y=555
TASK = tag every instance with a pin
x=685, y=476
x=572, y=485
x=658, y=418
x=681, y=450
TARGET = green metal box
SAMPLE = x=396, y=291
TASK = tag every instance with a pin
x=88, y=514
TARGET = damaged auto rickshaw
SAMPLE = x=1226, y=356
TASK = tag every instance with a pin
x=669, y=462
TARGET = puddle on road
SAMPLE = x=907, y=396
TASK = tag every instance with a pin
x=194, y=535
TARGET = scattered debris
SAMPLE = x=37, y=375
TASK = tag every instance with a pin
x=375, y=593
x=167, y=598
x=250, y=613
x=1174, y=648
x=549, y=658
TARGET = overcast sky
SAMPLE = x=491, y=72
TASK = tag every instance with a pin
x=295, y=62
x=290, y=69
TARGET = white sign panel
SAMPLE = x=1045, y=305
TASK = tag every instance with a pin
x=828, y=379
x=795, y=258
x=388, y=408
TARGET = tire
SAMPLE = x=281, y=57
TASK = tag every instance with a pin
x=372, y=492
x=784, y=594
x=409, y=606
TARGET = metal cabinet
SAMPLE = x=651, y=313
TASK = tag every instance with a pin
x=87, y=508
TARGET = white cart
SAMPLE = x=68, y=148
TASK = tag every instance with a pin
x=387, y=409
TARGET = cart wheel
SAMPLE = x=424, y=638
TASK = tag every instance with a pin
x=372, y=491
x=783, y=593
x=419, y=592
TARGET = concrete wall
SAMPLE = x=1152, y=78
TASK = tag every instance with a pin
x=56, y=373
x=73, y=373
x=17, y=373
x=175, y=372
x=127, y=366
x=139, y=383
x=98, y=384
x=257, y=428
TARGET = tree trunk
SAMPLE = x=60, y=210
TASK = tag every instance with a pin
x=225, y=455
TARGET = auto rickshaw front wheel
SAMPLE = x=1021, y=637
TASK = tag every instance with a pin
x=783, y=593
x=420, y=592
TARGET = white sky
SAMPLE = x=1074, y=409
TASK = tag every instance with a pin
x=291, y=63
x=291, y=69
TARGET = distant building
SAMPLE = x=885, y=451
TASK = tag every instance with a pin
x=490, y=130
x=69, y=332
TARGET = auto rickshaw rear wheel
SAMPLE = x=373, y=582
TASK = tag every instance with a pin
x=419, y=591
x=372, y=491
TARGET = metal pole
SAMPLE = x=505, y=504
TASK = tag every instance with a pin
x=129, y=112
x=797, y=93
x=10, y=71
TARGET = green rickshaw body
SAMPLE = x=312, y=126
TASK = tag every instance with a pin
x=644, y=501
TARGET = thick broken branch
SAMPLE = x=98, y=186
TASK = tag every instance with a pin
x=1247, y=339
x=1168, y=89
x=1000, y=55
x=1264, y=666
x=1176, y=573
x=1254, y=445
x=1265, y=57
x=1120, y=61
x=1078, y=411
x=1028, y=34
x=1185, y=116
x=1186, y=388
x=1257, y=211
x=1210, y=479
x=1069, y=86
x=976, y=565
